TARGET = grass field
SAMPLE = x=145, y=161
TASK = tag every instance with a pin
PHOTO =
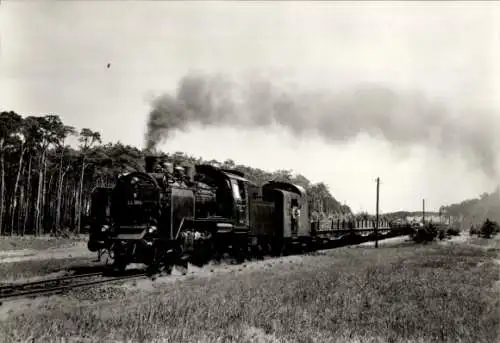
x=30, y=270
x=430, y=293
x=36, y=243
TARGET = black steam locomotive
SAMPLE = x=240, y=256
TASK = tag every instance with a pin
x=170, y=215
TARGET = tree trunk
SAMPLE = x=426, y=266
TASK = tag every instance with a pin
x=80, y=198
x=48, y=201
x=2, y=184
x=38, y=204
x=28, y=196
x=16, y=185
x=43, y=197
x=57, y=219
x=71, y=190
x=75, y=208
x=59, y=198
x=20, y=212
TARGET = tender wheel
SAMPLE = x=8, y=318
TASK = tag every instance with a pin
x=155, y=270
x=119, y=263
x=119, y=267
x=286, y=250
x=151, y=271
x=168, y=262
x=240, y=254
x=277, y=249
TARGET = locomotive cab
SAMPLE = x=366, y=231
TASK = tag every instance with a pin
x=230, y=213
x=221, y=222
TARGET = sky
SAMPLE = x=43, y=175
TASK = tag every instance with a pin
x=54, y=56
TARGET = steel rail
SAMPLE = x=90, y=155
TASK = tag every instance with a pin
x=12, y=286
x=60, y=289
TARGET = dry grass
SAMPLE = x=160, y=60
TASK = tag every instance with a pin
x=36, y=243
x=429, y=293
x=34, y=270
x=481, y=242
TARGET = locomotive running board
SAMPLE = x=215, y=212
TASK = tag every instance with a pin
x=221, y=227
x=129, y=236
x=224, y=227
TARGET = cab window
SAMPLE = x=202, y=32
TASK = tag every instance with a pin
x=238, y=189
x=241, y=187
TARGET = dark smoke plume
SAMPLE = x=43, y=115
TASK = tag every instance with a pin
x=404, y=119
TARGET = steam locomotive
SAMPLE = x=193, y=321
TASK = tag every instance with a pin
x=169, y=215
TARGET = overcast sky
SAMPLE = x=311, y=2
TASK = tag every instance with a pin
x=54, y=56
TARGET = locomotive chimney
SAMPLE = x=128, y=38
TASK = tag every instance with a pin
x=189, y=172
x=150, y=161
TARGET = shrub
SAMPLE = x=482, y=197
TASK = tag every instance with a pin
x=426, y=234
x=453, y=232
x=474, y=231
x=489, y=229
x=442, y=234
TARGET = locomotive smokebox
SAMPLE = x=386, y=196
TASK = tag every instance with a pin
x=151, y=161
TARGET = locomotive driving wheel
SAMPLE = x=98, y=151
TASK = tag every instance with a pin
x=109, y=256
x=239, y=253
x=119, y=265
x=118, y=258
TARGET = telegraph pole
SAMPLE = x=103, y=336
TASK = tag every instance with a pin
x=376, y=216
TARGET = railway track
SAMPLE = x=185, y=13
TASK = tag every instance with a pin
x=62, y=284
x=59, y=285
